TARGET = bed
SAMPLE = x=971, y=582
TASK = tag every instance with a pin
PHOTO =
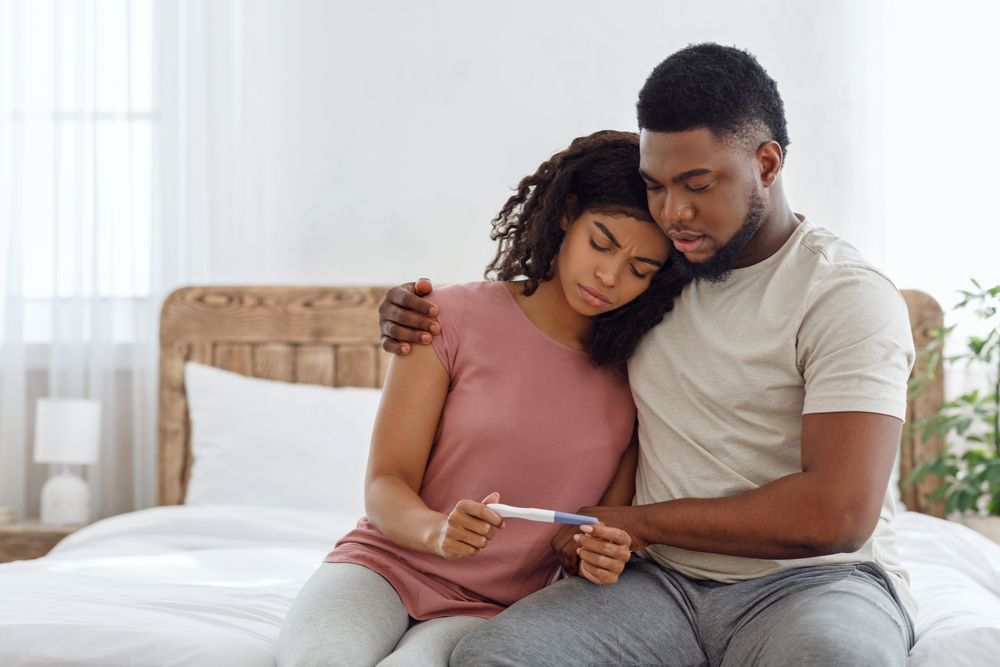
x=206, y=577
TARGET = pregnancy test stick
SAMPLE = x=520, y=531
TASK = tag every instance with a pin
x=549, y=516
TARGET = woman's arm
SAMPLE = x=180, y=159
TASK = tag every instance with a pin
x=412, y=400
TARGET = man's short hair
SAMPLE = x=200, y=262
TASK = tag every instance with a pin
x=721, y=88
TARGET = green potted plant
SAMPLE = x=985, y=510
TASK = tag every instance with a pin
x=969, y=464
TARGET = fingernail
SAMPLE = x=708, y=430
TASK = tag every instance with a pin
x=576, y=537
x=434, y=311
x=587, y=529
x=405, y=349
x=435, y=328
x=425, y=338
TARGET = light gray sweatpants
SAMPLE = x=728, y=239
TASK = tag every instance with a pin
x=831, y=616
x=349, y=615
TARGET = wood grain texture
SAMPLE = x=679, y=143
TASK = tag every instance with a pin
x=357, y=366
x=25, y=540
x=315, y=364
x=337, y=315
x=316, y=335
x=925, y=316
x=175, y=429
x=235, y=357
x=274, y=361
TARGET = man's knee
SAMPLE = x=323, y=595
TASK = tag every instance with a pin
x=808, y=644
x=490, y=645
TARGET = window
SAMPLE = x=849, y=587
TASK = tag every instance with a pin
x=84, y=126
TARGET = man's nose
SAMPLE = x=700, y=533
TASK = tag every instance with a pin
x=677, y=209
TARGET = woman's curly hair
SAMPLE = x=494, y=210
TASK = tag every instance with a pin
x=599, y=173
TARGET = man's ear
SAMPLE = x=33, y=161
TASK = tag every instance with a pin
x=768, y=161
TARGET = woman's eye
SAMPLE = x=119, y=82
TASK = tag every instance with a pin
x=597, y=247
x=637, y=274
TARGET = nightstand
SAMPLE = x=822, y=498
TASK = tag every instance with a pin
x=24, y=540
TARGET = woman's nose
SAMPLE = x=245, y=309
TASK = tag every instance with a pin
x=608, y=273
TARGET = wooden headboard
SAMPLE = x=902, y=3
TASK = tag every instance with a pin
x=313, y=335
x=329, y=336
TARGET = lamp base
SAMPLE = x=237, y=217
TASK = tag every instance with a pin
x=65, y=501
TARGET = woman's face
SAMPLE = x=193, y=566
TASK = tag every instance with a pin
x=606, y=261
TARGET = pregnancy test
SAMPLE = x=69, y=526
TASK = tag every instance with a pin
x=549, y=516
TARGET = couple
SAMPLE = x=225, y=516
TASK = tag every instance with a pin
x=769, y=401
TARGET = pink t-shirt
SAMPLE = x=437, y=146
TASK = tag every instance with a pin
x=525, y=416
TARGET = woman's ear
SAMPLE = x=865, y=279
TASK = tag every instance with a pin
x=569, y=211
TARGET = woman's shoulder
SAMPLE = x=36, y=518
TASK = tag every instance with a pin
x=461, y=297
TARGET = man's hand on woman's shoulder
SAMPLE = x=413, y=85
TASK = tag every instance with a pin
x=404, y=317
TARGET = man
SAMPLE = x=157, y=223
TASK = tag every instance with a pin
x=771, y=402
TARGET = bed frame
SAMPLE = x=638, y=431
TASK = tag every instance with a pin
x=329, y=336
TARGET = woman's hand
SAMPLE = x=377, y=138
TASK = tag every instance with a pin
x=603, y=552
x=467, y=530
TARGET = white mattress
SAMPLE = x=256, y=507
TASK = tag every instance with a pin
x=210, y=585
x=171, y=586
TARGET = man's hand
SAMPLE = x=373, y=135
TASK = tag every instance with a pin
x=565, y=546
x=403, y=317
x=467, y=530
x=603, y=552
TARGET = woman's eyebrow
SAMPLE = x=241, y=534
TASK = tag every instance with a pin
x=611, y=237
x=607, y=232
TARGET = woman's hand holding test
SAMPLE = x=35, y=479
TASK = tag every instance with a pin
x=467, y=530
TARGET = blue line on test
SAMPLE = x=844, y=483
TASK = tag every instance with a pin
x=574, y=519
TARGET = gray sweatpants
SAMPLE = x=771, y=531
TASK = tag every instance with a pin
x=845, y=615
x=349, y=615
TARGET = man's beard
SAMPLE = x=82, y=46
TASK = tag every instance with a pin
x=716, y=269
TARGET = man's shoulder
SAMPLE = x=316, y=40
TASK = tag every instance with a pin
x=828, y=259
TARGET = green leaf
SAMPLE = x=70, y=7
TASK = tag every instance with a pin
x=918, y=474
x=963, y=425
x=939, y=492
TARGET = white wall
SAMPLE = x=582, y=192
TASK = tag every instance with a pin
x=941, y=144
x=392, y=132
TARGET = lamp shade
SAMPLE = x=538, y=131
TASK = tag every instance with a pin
x=67, y=431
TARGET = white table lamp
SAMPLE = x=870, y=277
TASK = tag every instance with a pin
x=67, y=432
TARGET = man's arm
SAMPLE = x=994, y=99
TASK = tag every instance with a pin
x=832, y=506
x=403, y=317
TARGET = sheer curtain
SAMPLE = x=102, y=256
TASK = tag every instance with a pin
x=123, y=175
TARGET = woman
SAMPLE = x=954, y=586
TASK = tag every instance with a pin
x=522, y=398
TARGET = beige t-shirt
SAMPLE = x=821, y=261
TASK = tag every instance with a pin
x=722, y=383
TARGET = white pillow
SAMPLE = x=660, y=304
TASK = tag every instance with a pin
x=262, y=442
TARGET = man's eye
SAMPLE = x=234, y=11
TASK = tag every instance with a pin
x=701, y=188
x=652, y=188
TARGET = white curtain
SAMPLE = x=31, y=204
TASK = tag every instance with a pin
x=125, y=171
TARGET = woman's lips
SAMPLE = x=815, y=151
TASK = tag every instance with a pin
x=594, y=297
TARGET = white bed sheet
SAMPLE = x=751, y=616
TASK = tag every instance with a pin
x=210, y=585
x=178, y=586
